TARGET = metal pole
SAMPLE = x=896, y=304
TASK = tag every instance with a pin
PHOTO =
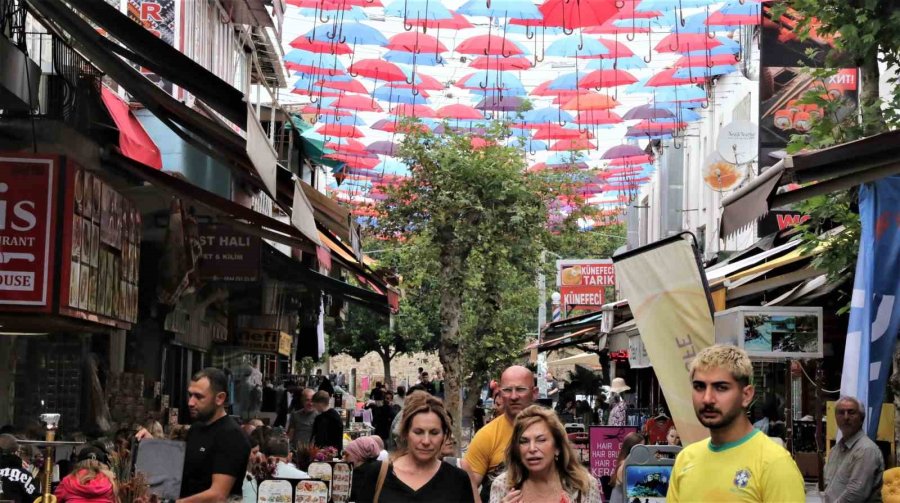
x=541, y=283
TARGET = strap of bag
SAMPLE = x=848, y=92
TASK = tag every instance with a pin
x=382, y=474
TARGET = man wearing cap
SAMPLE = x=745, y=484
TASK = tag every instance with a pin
x=617, y=413
x=16, y=484
x=486, y=455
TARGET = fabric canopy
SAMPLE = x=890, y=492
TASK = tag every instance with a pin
x=134, y=142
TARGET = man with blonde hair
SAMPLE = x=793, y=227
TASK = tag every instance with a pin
x=737, y=462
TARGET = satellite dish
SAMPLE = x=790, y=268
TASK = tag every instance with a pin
x=737, y=142
x=720, y=175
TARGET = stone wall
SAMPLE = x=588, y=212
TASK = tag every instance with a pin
x=404, y=368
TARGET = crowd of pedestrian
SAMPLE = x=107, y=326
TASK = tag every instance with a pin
x=521, y=454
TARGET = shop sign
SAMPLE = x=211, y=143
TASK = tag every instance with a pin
x=285, y=342
x=583, y=283
x=606, y=442
x=257, y=340
x=228, y=255
x=27, y=220
x=776, y=221
x=100, y=251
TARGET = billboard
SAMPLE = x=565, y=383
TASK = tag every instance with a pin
x=583, y=283
x=28, y=186
x=157, y=17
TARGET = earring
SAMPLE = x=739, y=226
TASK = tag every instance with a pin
x=556, y=457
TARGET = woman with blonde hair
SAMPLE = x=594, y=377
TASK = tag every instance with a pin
x=415, y=472
x=91, y=480
x=541, y=465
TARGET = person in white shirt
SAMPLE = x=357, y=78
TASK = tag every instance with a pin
x=278, y=449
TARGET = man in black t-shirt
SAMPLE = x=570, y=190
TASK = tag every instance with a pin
x=16, y=484
x=328, y=430
x=217, y=451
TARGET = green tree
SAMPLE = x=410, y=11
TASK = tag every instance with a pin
x=477, y=219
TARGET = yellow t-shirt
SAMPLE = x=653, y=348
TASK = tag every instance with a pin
x=487, y=450
x=752, y=469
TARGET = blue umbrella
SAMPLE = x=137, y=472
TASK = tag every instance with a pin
x=737, y=8
x=398, y=95
x=418, y=9
x=411, y=58
x=524, y=134
x=344, y=120
x=535, y=146
x=316, y=59
x=565, y=82
x=629, y=63
x=517, y=9
x=353, y=14
x=336, y=77
x=349, y=33
x=667, y=20
x=570, y=47
x=703, y=71
x=491, y=80
x=696, y=23
x=547, y=115
x=530, y=30
x=392, y=166
x=558, y=158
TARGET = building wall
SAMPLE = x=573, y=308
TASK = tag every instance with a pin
x=404, y=368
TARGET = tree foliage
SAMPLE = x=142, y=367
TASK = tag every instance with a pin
x=476, y=220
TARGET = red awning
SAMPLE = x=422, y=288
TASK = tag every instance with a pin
x=134, y=142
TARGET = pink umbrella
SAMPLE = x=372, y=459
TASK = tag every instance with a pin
x=686, y=42
x=357, y=102
x=416, y=42
x=606, y=78
x=488, y=45
x=459, y=112
x=420, y=111
x=501, y=63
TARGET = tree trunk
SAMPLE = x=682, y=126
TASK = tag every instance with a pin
x=386, y=357
x=473, y=386
x=452, y=263
x=869, y=95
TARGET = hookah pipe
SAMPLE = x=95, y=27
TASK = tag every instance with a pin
x=52, y=421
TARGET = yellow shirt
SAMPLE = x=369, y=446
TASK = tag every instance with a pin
x=752, y=469
x=487, y=451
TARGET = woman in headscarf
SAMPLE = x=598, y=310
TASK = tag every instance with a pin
x=363, y=454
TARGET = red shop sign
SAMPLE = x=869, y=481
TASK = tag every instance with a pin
x=27, y=221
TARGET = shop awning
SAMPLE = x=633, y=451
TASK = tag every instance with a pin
x=590, y=360
x=820, y=172
x=134, y=142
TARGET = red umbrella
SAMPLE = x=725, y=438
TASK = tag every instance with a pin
x=707, y=61
x=426, y=83
x=316, y=91
x=377, y=69
x=667, y=78
x=590, y=101
x=415, y=42
x=544, y=90
x=501, y=63
x=571, y=14
x=488, y=45
x=331, y=47
x=357, y=102
x=608, y=28
x=597, y=117
x=420, y=111
x=355, y=161
x=459, y=112
x=606, y=78
x=649, y=125
x=616, y=49
x=574, y=144
x=392, y=126
x=630, y=160
x=349, y=146
x=722, y=19
x=557, y=132
x=341, y=131
x=686, y=42
x=458, y=22
x=626, y=11
x=350, y=86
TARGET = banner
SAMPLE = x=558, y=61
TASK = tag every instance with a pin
x=874, y=318
x=606, y=442
x=667, y=293
x=583, y=283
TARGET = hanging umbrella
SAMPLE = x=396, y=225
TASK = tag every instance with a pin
x=488, y=45
x=330, y=47
x=667, y=78
x=356, y=102
x=597, y=117
x=397, y=94
x=518, y=9
x=348, y=146
x=383, y=147
x=736, y=14
x=547, y=115
x=324, y=111
x=606, y=78
x=313, y=63
x=378, y=70
x=620, y=151
x=590, y=101
x=459, y=112
x=500, y=103
x=352, y=34
x=685, y=42
x=412, y=58
x=353, y=14
x=573, y=144
x=350, y=86
x=416, y=42
x=483, y=79
x=621, y=63
x=501, y=63
x=705, y=60
x=565, y=82
x=706, y=72
x=631, y=160
x=648, y=112
x=457, y=22
x=553, y=131
x=417, y=9
x=346, y=120
x=571, y=14
x=612, y=27
x=420, y=111
x=342, y=131
x=393, y=126
x=572, y=47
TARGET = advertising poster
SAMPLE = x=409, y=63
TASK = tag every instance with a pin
x=583, y=283
x=606, y=442
x=157, y=17
x=275, y=491
x=28, y=187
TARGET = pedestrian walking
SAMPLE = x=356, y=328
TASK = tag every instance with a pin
x=328, y=430
x=486, y=456
x=541, y=464
x=300, y=422
x=855, y=466
x=415, y=473
x=362, y=453
x=737, y=462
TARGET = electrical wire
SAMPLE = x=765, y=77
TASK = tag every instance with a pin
x=833, y=392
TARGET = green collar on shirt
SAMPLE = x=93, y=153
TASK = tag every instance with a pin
x=729, y=445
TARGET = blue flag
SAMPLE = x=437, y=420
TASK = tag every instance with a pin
x=874, y=314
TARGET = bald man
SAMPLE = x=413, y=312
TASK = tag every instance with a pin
x=485, y=457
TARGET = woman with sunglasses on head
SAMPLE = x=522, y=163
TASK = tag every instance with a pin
x=415, y=472
x=542, y=466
